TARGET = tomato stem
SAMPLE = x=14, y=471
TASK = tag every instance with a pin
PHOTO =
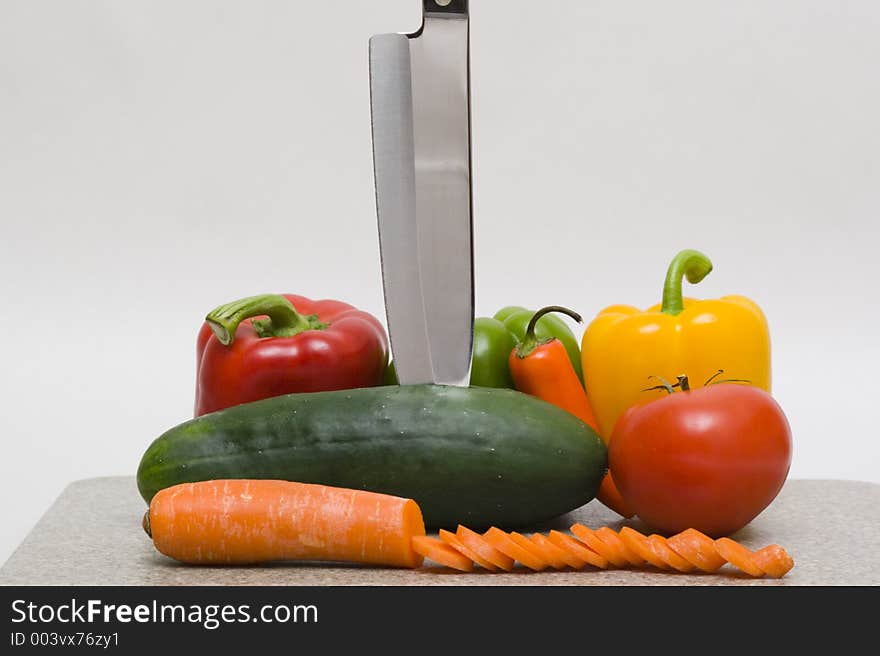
x=685, y=386
x=665, y=385
x=726, y=380
x=714, y=376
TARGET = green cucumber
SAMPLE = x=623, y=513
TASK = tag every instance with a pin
x=472, y=456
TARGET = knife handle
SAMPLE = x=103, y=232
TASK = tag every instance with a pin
x=445, y=6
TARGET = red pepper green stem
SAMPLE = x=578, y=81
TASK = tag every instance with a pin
x=283, y=319
x=688, y=263
x=530, y=342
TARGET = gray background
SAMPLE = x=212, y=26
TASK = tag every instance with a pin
x=158, y=158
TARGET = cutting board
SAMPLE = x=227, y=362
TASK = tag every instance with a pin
x=92, y=536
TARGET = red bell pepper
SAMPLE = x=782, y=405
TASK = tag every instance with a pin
x=292, y=344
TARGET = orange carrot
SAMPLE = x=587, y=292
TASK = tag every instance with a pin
x=543, y=369
x=696, y=548
x=738, y=556
x=256, y=521
x=685, y=552
x=531, y=547
x=578, y=549
x=506, y=545
x=613, y=540
x=667, y=555
x=440, y=552
x=774, y=560
x=588, y=537
x=452, y=540
x=477, y=543
x=559, y=558
x=639, y=544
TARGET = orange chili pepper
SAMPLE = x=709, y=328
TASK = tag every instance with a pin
x=542, y=369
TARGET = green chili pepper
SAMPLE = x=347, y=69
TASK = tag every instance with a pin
x=493, y=344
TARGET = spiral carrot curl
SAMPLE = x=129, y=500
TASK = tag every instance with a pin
x=603, y=548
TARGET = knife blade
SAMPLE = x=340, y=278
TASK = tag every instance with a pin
x=420, y=105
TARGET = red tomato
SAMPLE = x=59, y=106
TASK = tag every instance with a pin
x=710, y=458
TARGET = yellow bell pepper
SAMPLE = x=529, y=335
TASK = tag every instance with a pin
x=625, y=351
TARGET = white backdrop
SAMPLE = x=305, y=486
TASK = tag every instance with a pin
x=158, y=157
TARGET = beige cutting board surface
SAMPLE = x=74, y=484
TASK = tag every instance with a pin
x=92, y=536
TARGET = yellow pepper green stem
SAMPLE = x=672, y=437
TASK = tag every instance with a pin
x=690, y=264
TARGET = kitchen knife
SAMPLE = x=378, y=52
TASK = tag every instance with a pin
x=420, y=103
